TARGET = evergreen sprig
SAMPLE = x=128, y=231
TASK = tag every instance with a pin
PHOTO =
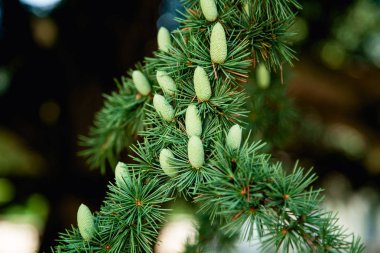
x=238, y=189
x=120, y=118
x=129, y=220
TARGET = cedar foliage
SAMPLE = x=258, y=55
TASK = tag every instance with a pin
x=238, y=191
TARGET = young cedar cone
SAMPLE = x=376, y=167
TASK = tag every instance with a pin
x=246, y=8
x=166, y=157
x=166, y=83
x=163, y=39
x=234, y=137
x=141, y=82
x=195, y=152
x=86, y=223
x=193, y=121
x=218, y=44
x=163, y=108
x=202, y=84
x=120, y=173
x=209, y=9
x=262, y=76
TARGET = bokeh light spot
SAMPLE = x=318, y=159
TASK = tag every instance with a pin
x=40, y=8
x=45, y=32
x=49, y=112
x=18, y=238
x=300, y=29
x=38, y=205
x=333, y=54
x=346, y=139
x=181, y=229
x=6, y=190
x=16, y=158
x=372, y=48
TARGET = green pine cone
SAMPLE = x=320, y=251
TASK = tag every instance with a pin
x=202, y=84
x=163, y=39
x=233, y=139
x=166, y=83
x=163, y=108
x=209, y=9
x=193, y=121
x=120, y=173
x=86, y=223
x=195, y=152
x=166, y=157
x=141, y=82
x=218, y=44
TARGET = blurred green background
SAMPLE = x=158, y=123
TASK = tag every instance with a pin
x=58, y=56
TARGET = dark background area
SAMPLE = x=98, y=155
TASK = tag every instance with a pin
x=96, y=42
x=59, y=65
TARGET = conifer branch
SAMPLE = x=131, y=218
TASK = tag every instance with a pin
x=237, y=187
